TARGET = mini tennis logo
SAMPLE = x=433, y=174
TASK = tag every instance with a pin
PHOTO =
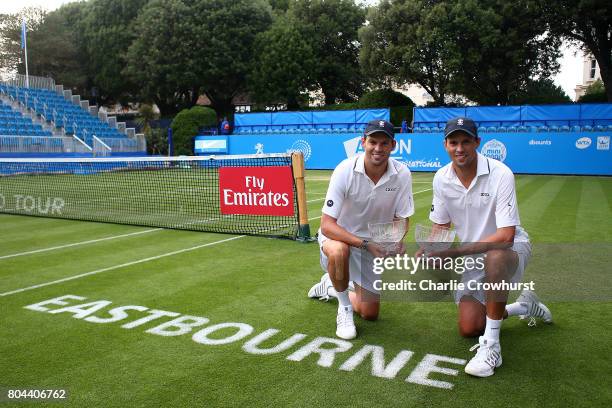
x=301, y=146
x=256, y=190
x=494, y=149
x=583, y=143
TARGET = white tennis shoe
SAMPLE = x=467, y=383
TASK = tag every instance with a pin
x=487, y=358
x=322, y=290
x=345, y=327
x=535, y=308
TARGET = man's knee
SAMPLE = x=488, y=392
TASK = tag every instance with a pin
x=472, y=317
x=471, y=329
x=369, y=315
x=337, y=250
x=499, y=263
x=368, y=305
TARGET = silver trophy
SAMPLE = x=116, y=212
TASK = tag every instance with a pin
x=433, y=238
x=388, y=235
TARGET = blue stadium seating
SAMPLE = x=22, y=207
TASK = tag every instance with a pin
x=54, y=107
x=14, y=123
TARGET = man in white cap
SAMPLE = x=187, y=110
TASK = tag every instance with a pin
x=365, y=189
x=477, y=196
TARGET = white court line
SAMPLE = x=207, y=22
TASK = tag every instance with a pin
x=152, y=258
x=126, y=235
x=36, y=251
x=110, y=268
x=139, y=261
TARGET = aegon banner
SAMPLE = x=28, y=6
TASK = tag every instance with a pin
x=256, y=190
x=536, y=153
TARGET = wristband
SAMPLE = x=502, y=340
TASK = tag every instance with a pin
x=364, y=244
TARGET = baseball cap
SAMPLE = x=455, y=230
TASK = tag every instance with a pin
x=466, y=125
x=382, y=126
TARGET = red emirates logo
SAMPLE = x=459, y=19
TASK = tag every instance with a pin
x=256, y=190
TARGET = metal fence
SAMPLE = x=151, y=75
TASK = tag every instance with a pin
x=34, y=81
x=38, y=144
x=101, y=149
x=124, y=144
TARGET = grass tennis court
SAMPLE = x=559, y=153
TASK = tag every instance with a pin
x=262, y=283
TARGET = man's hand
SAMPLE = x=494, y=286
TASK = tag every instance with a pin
x=377, y=250
x=400, y=248
x=420, y=253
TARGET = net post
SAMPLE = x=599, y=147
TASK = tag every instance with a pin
x=297, y=164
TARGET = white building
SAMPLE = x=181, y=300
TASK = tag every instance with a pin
x=590, y=74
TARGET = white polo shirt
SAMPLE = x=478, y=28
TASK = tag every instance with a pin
x=477, y=211
x=354, y=200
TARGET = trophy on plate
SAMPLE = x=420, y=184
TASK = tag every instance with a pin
x=389, y=235
x=433, y=238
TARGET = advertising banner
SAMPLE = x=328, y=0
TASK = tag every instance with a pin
x=585, y=153
x=256, y=190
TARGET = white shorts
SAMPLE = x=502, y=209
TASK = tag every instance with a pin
x=522, y=249
x=361, y=264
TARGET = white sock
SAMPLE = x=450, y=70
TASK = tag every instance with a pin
x=331, y=291
x=343, y=299
x=516, y=308
x=492, y=329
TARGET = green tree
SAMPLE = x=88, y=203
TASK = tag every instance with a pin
x=225, y=32
x=400, y=105
x=540, y=92
x=587, y=23
x=146, y=114
x=405, y=42
x=53, y=47
x=11, y=53
x=53, y=52
x=108, y=31
x=186, y=124
x=384, y=98
x=499, y=46
x=74, y=73
x=283, y=66
x=331, y=28
x=184, y=48
x=486, y=50
x=157, y=141
x=596, y=92
x=161, y=59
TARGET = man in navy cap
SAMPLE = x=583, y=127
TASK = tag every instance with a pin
x=368, y=188
x=477, y=196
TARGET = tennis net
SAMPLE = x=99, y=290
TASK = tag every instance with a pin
x=248, y=194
